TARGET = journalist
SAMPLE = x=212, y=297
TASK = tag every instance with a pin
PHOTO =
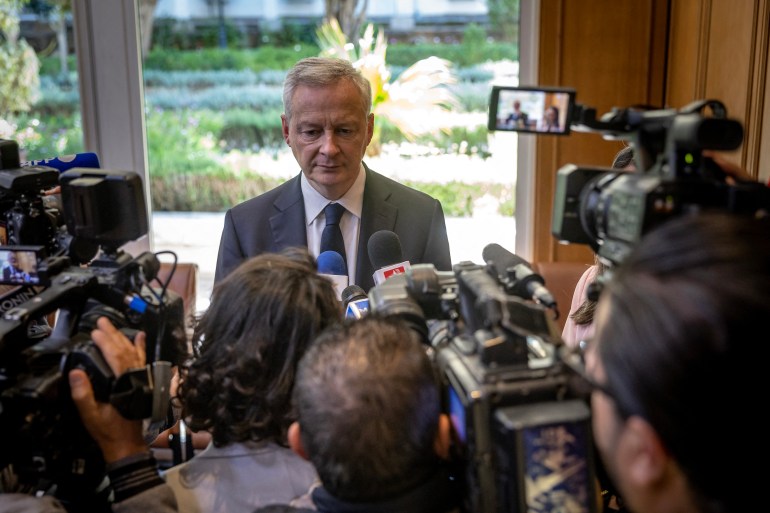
x=336, y=202
x=369, y=418
x=238, y=388
x=675, y=368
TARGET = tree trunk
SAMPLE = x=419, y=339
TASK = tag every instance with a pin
x=63, y=45
x=146, y=19
x=345, y=12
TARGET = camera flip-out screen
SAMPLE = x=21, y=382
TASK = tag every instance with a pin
x=542, y=110
x=18, y=265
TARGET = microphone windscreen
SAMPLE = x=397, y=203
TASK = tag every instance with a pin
x=65, y=162
x=331, y=262
x=501, y=259
x=384, y=249
x=353, y=293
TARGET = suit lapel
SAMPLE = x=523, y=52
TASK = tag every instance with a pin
x=288, y=223
x=377, y=214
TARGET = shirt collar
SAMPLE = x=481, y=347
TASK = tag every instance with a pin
x=352, y=200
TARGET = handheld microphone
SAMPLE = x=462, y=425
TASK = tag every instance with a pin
x=64, y=162
x=384, y=249
x=517, y=275
x=332, y=266
x=355, y=301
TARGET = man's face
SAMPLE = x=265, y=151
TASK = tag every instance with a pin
x=328, y=133
x=610, y=435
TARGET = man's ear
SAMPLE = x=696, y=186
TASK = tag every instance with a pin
x=646, y=457
x=295, y=440
x=443, y=441
x=285, y=128
x=369, y=128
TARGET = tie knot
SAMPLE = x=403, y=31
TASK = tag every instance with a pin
x=333, y=213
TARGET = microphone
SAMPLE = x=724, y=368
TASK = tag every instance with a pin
x=332, y=266
x=355, y=301
x=385, y=253
x=64, y=162
x=517, y=275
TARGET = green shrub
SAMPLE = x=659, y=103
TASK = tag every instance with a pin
x=250, y=130
x=196, y=193
x=222, y=97
x=457, y=198
x=183, y=143
x=257, y=59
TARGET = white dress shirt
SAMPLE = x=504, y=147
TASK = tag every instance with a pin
x=349, y=224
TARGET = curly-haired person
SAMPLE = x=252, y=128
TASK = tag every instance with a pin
x=238, y=386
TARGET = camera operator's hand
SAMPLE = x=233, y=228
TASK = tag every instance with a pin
x=116, y=436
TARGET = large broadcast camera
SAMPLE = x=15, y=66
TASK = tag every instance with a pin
x=46, y=449
x=523, y=434
x=523, y=430
x=610, y=209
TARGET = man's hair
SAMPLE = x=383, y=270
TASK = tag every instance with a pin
x=368, y=403
x=248, y=344
x=321, y=72
x=680, y=346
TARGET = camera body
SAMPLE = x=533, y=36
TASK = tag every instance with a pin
x=26, y=217
x=611, y=209
x=523, y=438
x=52, y=452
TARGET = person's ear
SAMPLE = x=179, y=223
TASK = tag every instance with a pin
x=647, y=458
x=369, y=128
x=285, y=129
x=295, y=440
x=443, y=442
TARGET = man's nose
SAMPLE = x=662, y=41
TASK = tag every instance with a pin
x=329, y=144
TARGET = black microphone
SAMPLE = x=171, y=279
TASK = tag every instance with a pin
x=385, y=253
x=517, y=275
x=355, y=301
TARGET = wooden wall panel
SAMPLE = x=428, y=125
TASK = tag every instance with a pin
x=588, y=45
x=649, y=52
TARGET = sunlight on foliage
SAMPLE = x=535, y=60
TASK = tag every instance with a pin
x=19, y=80
x=416, y=102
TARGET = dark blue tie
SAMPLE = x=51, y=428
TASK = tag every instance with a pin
x=331, y=238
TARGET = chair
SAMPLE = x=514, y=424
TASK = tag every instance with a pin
x=185, y=283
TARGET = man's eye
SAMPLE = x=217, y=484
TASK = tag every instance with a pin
x=309, y=133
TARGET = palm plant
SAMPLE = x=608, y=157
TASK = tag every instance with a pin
x=416, y=102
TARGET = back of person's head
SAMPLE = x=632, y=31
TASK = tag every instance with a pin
x=322, y=72
x=686, y=320
x=261, y=319
x=368, y=403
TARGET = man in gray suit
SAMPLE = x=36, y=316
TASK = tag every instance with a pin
x=328, y=124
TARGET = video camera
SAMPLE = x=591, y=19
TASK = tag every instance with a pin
x=27, y=216
x=46, y=448
x=611, y=209
x=523, y=434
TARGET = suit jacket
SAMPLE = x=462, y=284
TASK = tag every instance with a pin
x=275, y=220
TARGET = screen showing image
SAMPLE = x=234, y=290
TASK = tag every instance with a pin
x=19, y=266
x=546, y=111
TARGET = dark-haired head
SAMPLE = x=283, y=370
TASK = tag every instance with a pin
x=679, y=331
x=248, y=343
x=369, y=405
